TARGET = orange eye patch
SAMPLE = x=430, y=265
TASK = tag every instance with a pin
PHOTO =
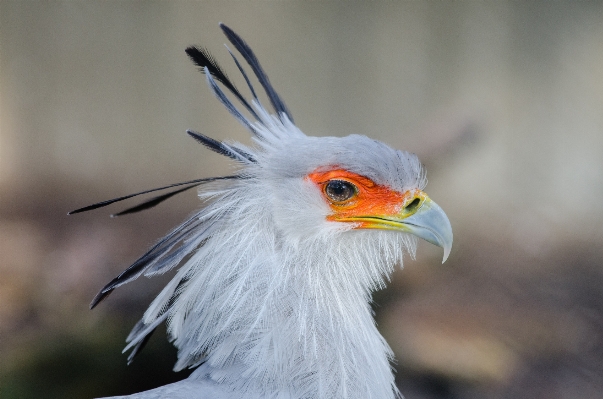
x=369, y=198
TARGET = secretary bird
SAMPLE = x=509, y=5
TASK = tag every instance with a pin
x=272, y=294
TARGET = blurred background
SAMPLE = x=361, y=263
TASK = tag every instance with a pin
x=502, y=101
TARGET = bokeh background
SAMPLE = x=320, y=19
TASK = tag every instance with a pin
x=503, y=102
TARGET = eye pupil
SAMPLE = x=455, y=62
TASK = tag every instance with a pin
x=339, y=190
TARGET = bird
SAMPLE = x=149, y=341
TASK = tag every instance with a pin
x=274, y=274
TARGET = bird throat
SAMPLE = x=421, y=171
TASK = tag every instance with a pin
x=292, y=319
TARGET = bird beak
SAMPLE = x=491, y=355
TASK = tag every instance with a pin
x=430, y=223
x=419, y=216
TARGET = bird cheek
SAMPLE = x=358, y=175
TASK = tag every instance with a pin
x=301, y=212
x=379, y=201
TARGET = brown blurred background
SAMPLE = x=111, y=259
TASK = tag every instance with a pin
x=503, y=101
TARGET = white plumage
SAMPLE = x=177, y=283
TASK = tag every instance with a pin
x=271, y=297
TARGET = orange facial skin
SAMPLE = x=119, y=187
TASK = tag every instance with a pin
x=371, y=200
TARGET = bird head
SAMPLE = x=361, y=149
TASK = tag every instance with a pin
x=321, y=186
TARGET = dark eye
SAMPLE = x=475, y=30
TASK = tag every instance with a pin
x=340, y=190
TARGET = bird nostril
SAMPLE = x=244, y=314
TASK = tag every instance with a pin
x=413, y=205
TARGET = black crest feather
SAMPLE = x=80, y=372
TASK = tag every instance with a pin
x=125, y=197
x=247, y=53
x=220, y=147
x=165, y=247
x=153, y=201
x=203, y=59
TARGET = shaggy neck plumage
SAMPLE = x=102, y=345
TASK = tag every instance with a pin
x=291, y=316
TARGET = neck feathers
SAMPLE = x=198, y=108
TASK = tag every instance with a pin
x=292, y=316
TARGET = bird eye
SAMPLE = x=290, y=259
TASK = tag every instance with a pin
x=340, y=190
